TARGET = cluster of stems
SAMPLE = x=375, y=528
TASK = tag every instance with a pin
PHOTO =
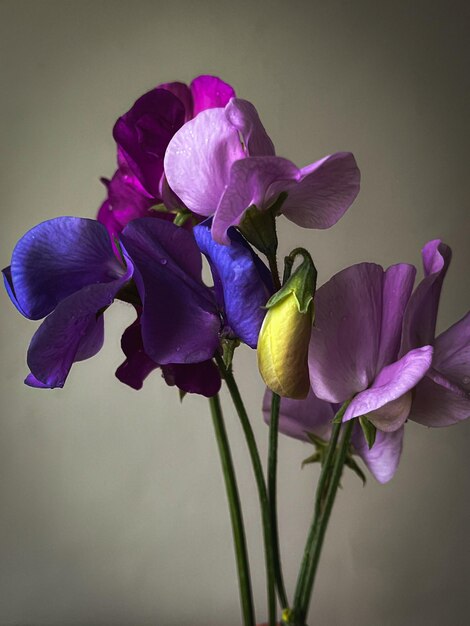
x=293, y=614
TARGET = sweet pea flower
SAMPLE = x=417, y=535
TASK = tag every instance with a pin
x=354, y=347
x=64, y=270
x=222, y=163
x=299, y=418
x=182, y=320
x=442, y=397
x=142, y=135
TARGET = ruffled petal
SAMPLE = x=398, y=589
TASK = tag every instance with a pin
x=209, y=92
x=202, y=378
x=325, y=191
x=198, y=160
x=180, y=322
x=345, y=339
x=383, y=458
x=392, y=383
x=299, y=417
x=144, y=132
x=452, y=353
x=183, y=93
x=397, y=288
x=254, y=181
x=244, y=117
x=419, y=324
x=437, y=402
x=242, y=282
x=138, y=365
x=57, y=258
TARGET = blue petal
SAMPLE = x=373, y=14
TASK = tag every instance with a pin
x=56, y=259
x=242, y=282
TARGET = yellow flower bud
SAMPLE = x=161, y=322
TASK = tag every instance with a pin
x=283, y=347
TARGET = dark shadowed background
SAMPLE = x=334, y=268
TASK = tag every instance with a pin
x=112, y=506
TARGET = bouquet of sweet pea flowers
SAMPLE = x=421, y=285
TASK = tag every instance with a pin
x=345, y=365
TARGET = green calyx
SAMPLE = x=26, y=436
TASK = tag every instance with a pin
x=259, y=227
x=301, y=283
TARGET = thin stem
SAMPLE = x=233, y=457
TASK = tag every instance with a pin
x=260, y=482
x=238, y=530
x=272, y=495
x=274, y=271
x=324, y=506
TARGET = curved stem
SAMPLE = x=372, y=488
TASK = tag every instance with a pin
x=243, y=568
x=260, y=482
x=272, y=495
x=323, y=508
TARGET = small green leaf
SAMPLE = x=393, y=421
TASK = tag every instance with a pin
x=316, y=457
x=351, y=463
x=368, y=429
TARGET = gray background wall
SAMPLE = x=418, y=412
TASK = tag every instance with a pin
x=112, y=507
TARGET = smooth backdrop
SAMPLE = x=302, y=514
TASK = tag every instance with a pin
x=112, y=506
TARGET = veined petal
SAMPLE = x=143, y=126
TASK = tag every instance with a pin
x=209, y=92
x=419, y=323
x=244, y=117
x=299, y=417
x=344, y=346
x=180, y=322
x=452, y=353
x=198, y=160
x=397, y=288
x=324, y=192
x=242, y=280
x=437, y=402
x=393, y=382
x=57, y=258
x=254, y=181
x=383, y=458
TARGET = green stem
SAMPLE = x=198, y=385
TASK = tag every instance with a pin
x=274, y=271
x=243, y=568
x=272, y=495
x=323, y=507
x=260, y=482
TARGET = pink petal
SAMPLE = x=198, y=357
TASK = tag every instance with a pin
x=244, y=117
x=324, y=192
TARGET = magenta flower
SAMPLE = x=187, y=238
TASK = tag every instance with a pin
x=142, y=135
x=299, y=418
x=442, y=397
x=354, y=348
x=222, y=162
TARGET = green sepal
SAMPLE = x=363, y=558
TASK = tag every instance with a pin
x=259, y=228
x=351, y=463
x=160, y=208
x=302, y=283
x=228, y=349
x=369, y=430
x=182, y=217
x=318, y=442
x=181, y=394
x=338, y=418
x=316, y=457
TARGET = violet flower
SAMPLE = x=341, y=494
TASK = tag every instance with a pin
x=354, y=347
x=142, y=135
x=442, y=397
x=66, y=271
x=222, y=162
x=299, y=418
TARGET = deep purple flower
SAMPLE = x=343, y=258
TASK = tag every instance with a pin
x=142, y=135
x=66, y=271
x=354, y=347
x=298, y=418
x=182, y=319
x=442, y=397
x=202, y=378
x=222, y=162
